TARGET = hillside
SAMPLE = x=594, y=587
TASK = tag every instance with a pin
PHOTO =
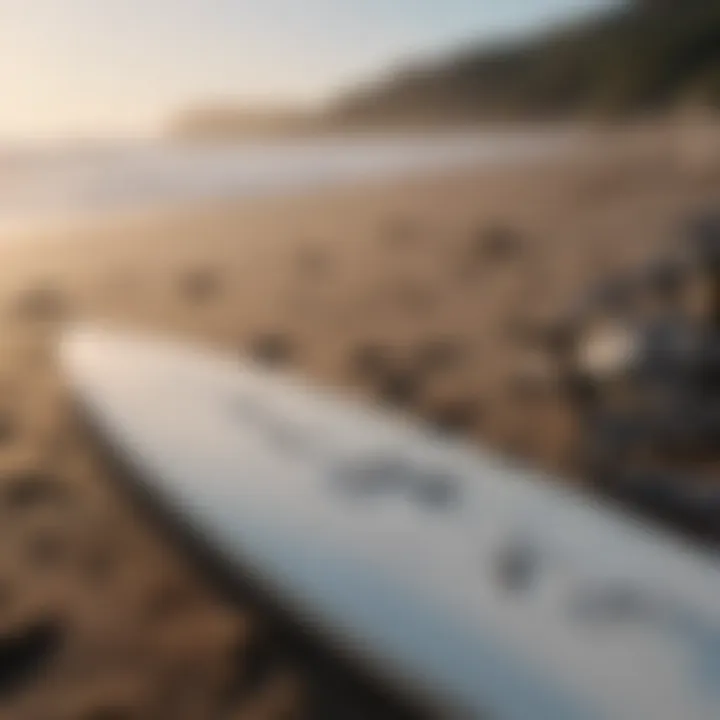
x=646, y=56
x=643, y=57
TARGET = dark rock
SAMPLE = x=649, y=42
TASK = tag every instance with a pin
x=25, y=652
x=668, y=280
x=618, y=295
x=257, y=660
x=46, y=303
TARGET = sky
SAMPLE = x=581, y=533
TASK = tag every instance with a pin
x=119, y=67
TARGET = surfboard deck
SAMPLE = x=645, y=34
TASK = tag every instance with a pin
x=481, y=587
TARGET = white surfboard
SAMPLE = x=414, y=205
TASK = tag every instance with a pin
x=481, y=587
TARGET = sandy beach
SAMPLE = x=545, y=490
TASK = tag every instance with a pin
x=432, y=278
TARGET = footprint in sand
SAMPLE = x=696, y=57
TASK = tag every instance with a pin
x=170, y=600
x=313, y=263
x=396, y=384
x=399, y=387
x=455, y=416
x=438, y=355
x=400, y=234
x=414, y=297
x=8, y=427
x=42, y=303
x=109, y=712
x=527, y=386
x=499, y=243
x=199, y=285
x=100, y=562
x=489, y=246
x=28, y=490
x=370, y=360
x=273, y=349
x=48, y=547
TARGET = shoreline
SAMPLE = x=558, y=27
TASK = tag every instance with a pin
x=484, y=150
x=695, y=144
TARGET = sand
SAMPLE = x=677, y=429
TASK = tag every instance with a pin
x=410, y=293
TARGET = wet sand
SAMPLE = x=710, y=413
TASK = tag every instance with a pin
x=411, y=294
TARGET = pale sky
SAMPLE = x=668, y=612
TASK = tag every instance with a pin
x=99, y=67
